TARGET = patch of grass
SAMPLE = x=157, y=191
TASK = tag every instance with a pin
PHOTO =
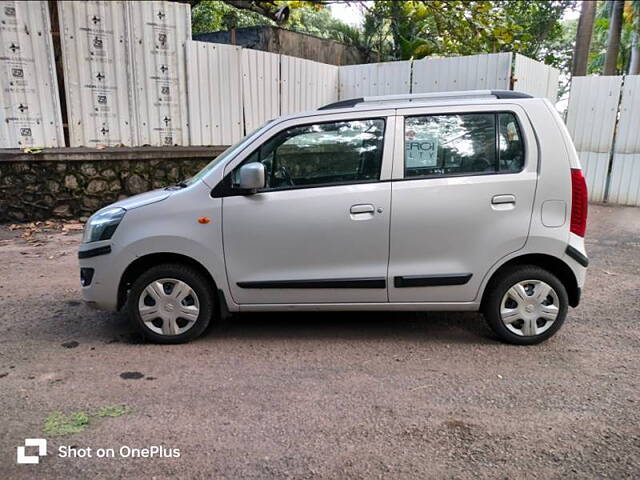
x=58, y=424
x=112, y=411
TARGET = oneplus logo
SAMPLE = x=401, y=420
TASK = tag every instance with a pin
x=41, y=443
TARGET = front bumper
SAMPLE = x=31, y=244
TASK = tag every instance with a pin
x=99, y=275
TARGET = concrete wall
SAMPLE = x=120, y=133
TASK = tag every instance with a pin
x=286, y=42
x=75, y=182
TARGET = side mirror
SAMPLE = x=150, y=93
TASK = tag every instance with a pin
x=252, y=176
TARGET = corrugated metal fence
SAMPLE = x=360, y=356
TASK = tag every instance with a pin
x=475, y=72
x=30, y=113
x=158, y=32
x=535, y=78
x=214, y=79
x=591, y=119
x=124, y=66
x=233, y=90
x=373, y=79
x=625, y=170
x=100, y=100
x=603, y=119
x=260, y=87
x=306, y=85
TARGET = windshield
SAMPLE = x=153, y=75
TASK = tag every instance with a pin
x=229, y=152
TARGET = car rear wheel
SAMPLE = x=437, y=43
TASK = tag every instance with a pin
x=526, y=305
x=171, y=303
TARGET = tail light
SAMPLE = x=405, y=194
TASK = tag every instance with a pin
x=578, y=203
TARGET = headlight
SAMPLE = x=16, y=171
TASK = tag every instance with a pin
x=102, y=225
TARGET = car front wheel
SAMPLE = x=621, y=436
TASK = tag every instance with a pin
x=526, y=305
x=171, y=303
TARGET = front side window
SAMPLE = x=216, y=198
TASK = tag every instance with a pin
x=228, y=153
x=462, y=144
x=322, y=154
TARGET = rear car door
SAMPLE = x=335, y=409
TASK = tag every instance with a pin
x=462, y=198
x=319, y=231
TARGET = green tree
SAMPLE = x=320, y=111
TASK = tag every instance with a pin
x=613, y=37
x=416, y=29
x=539, y=30
x=583, y=38
x=634, y=66
x=213, y=16
x=601, y=36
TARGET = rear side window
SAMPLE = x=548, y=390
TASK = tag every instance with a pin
x=462, y=144
x=511, y=147
x=322, y=154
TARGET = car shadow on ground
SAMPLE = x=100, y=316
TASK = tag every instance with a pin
x=461, y=327
x=90, y=325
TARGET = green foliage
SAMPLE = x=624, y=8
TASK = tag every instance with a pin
x=313, y=21
x=539, y=31
x=601, y=33
x=213, y=16
x=305, y=17
x=112, y=411
x=416, y=29
x=58, y=424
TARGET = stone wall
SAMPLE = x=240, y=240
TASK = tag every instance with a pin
x=74, y=183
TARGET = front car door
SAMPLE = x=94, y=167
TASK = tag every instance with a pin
x=319, y=231
x=462, y=198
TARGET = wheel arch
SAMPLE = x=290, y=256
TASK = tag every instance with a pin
x=553, y=264
x=142, y=264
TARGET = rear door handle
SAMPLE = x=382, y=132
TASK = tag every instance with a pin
x=362, y=208
x=500, y=199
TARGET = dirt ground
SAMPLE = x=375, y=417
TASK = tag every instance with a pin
x=359, y=395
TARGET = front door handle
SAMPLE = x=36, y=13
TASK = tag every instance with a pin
x=500, y=199
x=362, y=208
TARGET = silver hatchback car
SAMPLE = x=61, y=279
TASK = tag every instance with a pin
x=449, y=201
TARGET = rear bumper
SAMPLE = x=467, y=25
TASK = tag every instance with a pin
x=576, y=298
x=575, y=256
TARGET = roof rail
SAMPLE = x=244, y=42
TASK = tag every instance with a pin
x=410, y=97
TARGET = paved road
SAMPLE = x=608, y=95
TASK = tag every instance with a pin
x=360, y=395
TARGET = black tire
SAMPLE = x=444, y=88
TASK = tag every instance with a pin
x=194, y=279
x=499, y=287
